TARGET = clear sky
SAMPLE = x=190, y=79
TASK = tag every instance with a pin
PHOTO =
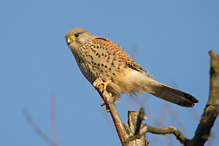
x=172, y=39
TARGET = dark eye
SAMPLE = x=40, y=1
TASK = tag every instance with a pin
x=76, y=35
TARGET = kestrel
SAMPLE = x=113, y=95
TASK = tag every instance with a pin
x=99, y=57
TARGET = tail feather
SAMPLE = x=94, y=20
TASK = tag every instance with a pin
x=174, y=95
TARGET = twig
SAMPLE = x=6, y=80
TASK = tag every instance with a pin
x=141, y=117
x=53, y=120
x=175, y=116
x=167, y=130
x=36, y=128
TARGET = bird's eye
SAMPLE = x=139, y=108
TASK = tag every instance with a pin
x=76, y=35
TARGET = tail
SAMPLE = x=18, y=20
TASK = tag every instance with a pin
x=173, y=95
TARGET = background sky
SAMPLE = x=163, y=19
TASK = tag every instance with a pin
x=171, y=40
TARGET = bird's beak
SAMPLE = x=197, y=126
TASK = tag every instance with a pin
x=69, y=40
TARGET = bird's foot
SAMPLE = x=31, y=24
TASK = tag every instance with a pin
x=103, y=83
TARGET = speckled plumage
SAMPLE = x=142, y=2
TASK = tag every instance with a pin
x=101, y=57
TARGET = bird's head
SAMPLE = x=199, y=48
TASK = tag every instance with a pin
x=75, y=38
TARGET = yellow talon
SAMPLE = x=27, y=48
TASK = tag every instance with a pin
x=103, y=83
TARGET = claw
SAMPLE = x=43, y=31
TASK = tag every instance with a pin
x=103, y=104
x=104, y=83
x=107, y=108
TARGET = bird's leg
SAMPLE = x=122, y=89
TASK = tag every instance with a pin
x=103, y=83
x=104, y=87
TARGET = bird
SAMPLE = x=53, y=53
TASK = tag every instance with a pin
x=101, y=58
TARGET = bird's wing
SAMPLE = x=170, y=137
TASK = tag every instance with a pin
x=119, y=53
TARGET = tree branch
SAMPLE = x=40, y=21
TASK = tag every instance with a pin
x=128, y=133
x=210, y=112
x=167, y=130
x=110, y=105
x=135, y=126
x=53, y=120
x=37, y=128
x=214, y=71
x=141, y=117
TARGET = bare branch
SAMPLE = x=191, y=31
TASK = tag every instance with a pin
x=210, y=112
x=166, y=130
x=134, y=126
x=36, y=128
x=214, y=71
x=110, y=105
x=141, y=117
x=53, y=120
x=175, y=116
x=126, y=132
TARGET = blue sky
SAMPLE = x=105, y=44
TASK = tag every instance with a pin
x=172, y=39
